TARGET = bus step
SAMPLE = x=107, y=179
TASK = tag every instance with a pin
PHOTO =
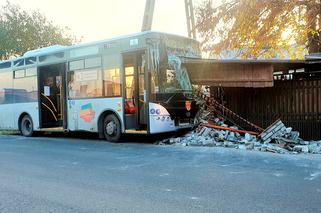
x=54, y=129
x=133, y=131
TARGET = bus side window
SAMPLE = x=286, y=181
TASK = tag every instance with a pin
x=112, y=85
x=6, y=90
x=24, y=87
x=72, y=90
x=85, y=83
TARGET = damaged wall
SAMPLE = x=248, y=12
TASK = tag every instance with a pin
x=296, y=102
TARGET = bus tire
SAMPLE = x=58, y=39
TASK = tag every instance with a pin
x=26, y=126
x=112, y=128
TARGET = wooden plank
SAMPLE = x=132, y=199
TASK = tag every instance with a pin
x=230, y=129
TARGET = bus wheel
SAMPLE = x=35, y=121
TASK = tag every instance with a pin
x=112, y=128
x=26, y=126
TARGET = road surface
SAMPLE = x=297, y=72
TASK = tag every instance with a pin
x=48, y=174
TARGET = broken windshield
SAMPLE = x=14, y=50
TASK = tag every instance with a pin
x=174, y=77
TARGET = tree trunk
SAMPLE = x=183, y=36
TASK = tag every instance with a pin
x=314, y=45
x=314, y=24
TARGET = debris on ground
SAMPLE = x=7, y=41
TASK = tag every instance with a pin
x=277, y=138
x=219, y=126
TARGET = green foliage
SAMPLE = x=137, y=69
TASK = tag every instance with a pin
x=261, y=28
x=21, y=31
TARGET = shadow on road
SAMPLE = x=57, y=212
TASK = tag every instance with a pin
x=126, y=138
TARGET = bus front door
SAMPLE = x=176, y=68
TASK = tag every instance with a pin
x=51, y=96
x=135, y=92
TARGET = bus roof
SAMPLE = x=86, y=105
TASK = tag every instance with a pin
x=60, y=48
x=57, y=48
x=45, y=50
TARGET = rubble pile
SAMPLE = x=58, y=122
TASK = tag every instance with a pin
x=277, y=139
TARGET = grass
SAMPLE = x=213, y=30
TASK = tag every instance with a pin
x=8, y=132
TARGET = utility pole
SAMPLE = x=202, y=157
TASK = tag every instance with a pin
x=189, y=9
x=148, y=15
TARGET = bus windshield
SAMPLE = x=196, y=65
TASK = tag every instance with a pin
x=174, y=77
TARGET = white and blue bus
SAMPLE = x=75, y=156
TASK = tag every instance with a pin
x=130, y=84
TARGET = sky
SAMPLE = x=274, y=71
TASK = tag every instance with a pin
x=101, y=19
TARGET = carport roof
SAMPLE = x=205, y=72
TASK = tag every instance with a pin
x=277, y=64
x=242, y=72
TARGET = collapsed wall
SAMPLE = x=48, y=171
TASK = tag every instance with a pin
x=297, y=102
x=215, y=132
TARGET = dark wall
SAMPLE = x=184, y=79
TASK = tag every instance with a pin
x=297, y=102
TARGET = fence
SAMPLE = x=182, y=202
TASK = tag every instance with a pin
x=297, y=102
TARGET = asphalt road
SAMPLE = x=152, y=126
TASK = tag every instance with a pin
x=48, y=174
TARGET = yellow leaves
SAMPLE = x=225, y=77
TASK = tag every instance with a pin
x=262, y=28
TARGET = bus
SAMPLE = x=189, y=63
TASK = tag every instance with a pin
x=130, y=84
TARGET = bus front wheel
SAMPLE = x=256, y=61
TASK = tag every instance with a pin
x=26, y=126
x=112, y=128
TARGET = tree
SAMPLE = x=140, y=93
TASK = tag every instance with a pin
x=21, y=31
x=261, y=28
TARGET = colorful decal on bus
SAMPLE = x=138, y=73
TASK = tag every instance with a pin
x=87, y=113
